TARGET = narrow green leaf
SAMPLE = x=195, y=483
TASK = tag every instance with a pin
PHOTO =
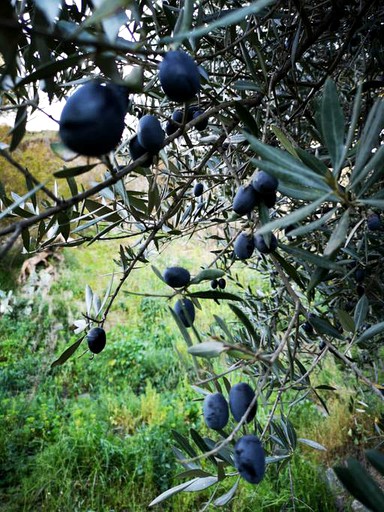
x=246, y=85
x=361, y=311
x=369, y=138
x=276, y=458
x=332, y=123
x=73, y=171
x=376, y=458
x=292, y=218
x=182, y=328
x=26, y=238
x=50, y=8
x=101, y=210
x=202, y=445
x=207, y=275
x=338, y=236
x=67, y=353
x=249, y=61
x=347, y=322
x=284, y=141
x=207, y=349
x=375, y=164
x=322, y=326
x=376, y=203
x=105, y=10
x=215, y=295
x=283, y=161
x=157, y=273
x=180, y=456
x=230, y=19
x=19, y=128
x=224, y=499
x=312, y=226
x=313, y=163
x=290, y=270
x=361, y=485
x=201, y=483
x=312, y=444
x=63, y=152
x=371, y=332
x=224, y=453
x=193, y=473
x=319, y=261
x=50, y=69
x=92, y=222
x=21, y=200
x=246, y=322
x=182, y=441
x=247, y=118
x=88, y=298
x=170, y=492
x=307, y=193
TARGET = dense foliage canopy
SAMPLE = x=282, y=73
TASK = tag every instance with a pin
x=292, y=88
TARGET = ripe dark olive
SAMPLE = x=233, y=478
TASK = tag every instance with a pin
x=178, y=116
x=92, y=120
x=269, y=199
x=307, y=327
x=222, y=283
x=374, y=222
x=179, y=76
x=191, y=111
x=240, y=396
x=349, y=305
x=136, y=150
x=198, y=189
x=244, y=246
x=245, y=200
x=177, y=277
x=96, y=339
x=250, y=459
x=214, y=284
x=359, y=275
x=265, y=183
x=322, y=345
x=360, y=290
x=201, y=125
x=262, y=247
x=215, y=411
x=185, y=310
x=150, y=134
x=171, y=126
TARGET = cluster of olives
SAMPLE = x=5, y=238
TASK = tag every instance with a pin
x=179, y=277
x=218, y=283
x=262, y=190
x=92, y=120
x=193, y=112
x=149, y=139
x=246, y=243
x=249, y=454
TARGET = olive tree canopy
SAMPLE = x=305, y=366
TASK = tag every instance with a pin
x=291, y=88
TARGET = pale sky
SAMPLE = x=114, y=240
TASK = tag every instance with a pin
x=39, y=121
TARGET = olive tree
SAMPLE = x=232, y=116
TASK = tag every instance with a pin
x=291, y=89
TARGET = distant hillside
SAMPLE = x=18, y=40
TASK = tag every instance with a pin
x=35, y=154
